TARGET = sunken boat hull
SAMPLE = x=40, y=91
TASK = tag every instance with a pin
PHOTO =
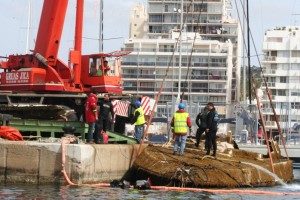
x=228, y=169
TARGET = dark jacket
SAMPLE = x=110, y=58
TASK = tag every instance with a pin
x=201, y=118
x=210, y=123
x=106, y=107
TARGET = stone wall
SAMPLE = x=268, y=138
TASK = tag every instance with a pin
x=41, y=163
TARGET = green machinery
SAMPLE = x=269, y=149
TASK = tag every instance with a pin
x=51, y=128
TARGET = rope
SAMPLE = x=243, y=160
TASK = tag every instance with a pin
x=63, y=170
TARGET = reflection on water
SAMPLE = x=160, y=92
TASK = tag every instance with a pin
x=75, y=192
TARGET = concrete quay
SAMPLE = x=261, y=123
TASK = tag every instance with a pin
x=41, y=163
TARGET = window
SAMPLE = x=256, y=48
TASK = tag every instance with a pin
x=200, y=7
x=295, y=105
x=283, y=79
x=295, y=53
x=183, y=84
x=199, y=98
x=166, y=8
x=274, y=39
x=295, y=93
x=274, y=66
x=200, y=85
x=129, y=84
x=281, y=92
x=272, y=79
x=95, y=67
x=273, y=53
x=156, y=18
x=174, y=19
x=217, y=99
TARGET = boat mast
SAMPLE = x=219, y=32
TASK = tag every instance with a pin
x=244, y=61
x=101, y=27
x=180, y=56
x=249, y=64
x=28, y=27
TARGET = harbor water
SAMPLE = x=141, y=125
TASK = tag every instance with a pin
x=75, y=192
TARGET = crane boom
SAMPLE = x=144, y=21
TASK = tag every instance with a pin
x=50, y=29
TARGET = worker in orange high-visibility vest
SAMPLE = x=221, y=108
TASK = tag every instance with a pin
x=180, y=125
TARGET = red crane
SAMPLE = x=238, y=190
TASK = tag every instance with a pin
x=41, y=77
x=43, y=71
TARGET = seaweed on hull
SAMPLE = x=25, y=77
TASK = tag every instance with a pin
x=195, y=169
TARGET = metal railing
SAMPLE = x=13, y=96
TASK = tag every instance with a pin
x=165, y=64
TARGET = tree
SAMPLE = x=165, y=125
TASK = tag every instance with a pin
x=256, y=73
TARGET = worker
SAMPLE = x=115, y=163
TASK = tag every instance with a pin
x=105, y=118
x=138, y=121
x=259, y=133
x=93, y=69
x=211, y=128
x=201, y=123
x=106, y=68
x=180, y=124
x=91, y=115
x=95, y=72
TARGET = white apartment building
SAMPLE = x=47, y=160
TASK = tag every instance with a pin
x=210, y=67
x=281, y=67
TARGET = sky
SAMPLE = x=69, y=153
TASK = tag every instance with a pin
x=264, y=15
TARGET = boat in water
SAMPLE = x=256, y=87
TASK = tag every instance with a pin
x=230, y=168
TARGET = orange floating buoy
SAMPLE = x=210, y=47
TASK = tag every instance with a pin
x=10, y=133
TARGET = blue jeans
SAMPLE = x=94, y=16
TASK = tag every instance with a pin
x=139, y=130
x=182, y=143
x=90, y=135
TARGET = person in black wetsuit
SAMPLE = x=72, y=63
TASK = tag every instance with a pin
x=201, y=123
x=211, y=129
x=105, y=118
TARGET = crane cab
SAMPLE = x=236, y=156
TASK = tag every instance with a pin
x=101, y=72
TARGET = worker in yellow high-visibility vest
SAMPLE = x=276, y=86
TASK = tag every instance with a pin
x=180, y=125
x=138, y=121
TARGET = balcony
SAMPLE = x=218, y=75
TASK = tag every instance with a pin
x=270, y=58
x=209, y=77
x=129, y=75
x=271, y=124
x=217, y=90
x=269, y=84
x=199, y=90
x=175, y=89
x=130, y=88
x=269, y=71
